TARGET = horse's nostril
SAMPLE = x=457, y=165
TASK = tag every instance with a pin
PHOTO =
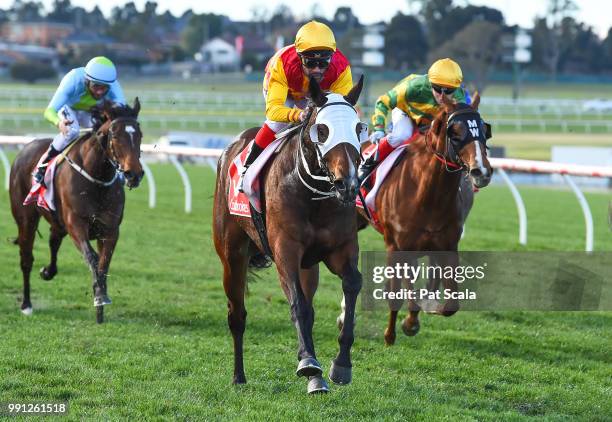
x=340, y=185
x=475, y=172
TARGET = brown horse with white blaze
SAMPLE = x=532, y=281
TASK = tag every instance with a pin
x=425, y=199
x=89, y=196
x=310, y=191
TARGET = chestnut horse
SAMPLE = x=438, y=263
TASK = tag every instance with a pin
x=425, y=199
x=89, y=196
x=310, y=190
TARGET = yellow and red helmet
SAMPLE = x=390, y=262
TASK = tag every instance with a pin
x=315, y=36
x=445, y=72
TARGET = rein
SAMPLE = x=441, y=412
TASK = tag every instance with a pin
x=302, y=163
x=450, y=165
x=112, y=158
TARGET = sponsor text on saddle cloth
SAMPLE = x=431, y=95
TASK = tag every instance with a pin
x=43, y=194
x=237, y=201
x=341, y=123
x=370, y=187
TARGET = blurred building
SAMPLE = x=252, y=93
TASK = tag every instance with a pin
x=220, y=55
x=10, y=53
x=45, y=34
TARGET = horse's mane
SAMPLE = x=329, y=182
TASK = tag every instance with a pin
x=107, y=110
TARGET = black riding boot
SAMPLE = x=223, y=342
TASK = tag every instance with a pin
x=39, y=175
x=367, y=167
x=251, y=157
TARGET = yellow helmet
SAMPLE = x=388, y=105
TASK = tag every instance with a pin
x=445, y=72
x=315, y=36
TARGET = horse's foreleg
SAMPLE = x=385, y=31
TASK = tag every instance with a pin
x=309, y=282
x=450, y=306
x=300, y=302
x=106, y=247
x=79, y=232
x=56, y=236
x=393, y=285
x=344, y=264
x=411, y=324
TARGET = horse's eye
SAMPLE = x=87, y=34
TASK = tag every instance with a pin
x=322, y=132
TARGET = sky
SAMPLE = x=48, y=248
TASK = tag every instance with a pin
x=595, y=13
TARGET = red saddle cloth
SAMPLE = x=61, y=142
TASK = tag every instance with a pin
x=237, y=201
x=42, y=194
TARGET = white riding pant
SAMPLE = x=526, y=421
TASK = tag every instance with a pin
x=289, y=102
x=402, y=128
x=79, y=119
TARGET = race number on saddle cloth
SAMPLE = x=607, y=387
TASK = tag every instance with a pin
x=370, y=186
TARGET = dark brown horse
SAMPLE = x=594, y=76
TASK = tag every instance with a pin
x=424, y=201
x=304, y=227
x=89, y=196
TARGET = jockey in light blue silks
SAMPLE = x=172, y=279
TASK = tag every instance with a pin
x=70, y=108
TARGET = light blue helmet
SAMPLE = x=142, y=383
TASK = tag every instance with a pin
x=101, y=70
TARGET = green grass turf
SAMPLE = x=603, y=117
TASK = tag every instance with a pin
x=165, y=351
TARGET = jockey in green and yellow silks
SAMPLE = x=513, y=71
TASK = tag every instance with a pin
x=415, y=100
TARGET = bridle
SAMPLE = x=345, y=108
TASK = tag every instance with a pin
x=110, y=136
x=323, y=175
x=475, y=131
x=112, y=157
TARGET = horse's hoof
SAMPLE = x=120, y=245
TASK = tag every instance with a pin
x=27, y=311
x=429, y=306
x=317, y=385
x=241, y=379
x=448, y=309
x=102, y=301
x=100, y=314
x=46, y=274
x=340, y=374
x=410, y=329
x=389, y=338
x=309, y=367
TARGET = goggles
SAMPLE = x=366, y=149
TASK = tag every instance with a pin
x=311, y=63
x=443, y=90
x=98, y=86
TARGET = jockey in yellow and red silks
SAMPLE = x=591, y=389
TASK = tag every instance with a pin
x=285, y=84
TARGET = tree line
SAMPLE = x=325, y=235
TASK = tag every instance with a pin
x=436, y=28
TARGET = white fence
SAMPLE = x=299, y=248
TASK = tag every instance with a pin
x=503, y=165
x=211, y=110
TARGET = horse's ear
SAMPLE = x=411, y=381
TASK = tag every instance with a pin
x=316, y=94
x=106, y=109
x=136, y=106
x=475, y=101
x=353, y=95
x=435, y=126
